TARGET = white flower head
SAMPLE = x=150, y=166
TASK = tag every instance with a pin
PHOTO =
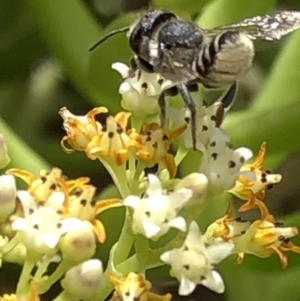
x=221, y=164
x=156, y=212
x=194, y=262
x=82, y=281
x=140, y=90
x=42, y=226
x=8, y=195
x=4, y=158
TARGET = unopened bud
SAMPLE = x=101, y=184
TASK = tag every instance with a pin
x=82, y=281
x=8, y=194
x=79, y=244
x=198, y=183
x=4, y=159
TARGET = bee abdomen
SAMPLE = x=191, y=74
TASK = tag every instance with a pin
x=228, y=57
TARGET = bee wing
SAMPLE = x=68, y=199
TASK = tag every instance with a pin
x=269, y=27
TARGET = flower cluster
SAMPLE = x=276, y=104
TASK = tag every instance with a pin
x=55, y=219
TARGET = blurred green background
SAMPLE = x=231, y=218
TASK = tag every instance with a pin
x=45, y=65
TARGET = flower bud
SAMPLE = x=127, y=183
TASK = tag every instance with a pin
x=8, y=194
x=82, y=281
x=4, y=158
x=198, y=183
x=79, y=244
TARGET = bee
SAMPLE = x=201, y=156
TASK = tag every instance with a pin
x=187, y=54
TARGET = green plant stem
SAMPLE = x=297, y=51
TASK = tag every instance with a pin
x=141, y=250
x=23, y=286
x=63, y=296
x=55, y=276
x=105, y=288
x=43, y=267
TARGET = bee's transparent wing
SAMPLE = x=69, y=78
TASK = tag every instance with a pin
x=270, y=27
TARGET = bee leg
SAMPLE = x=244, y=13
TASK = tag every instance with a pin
x=228, y=99
x=188, y=100
x=162, y=103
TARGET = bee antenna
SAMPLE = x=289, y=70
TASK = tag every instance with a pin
x=110, y=34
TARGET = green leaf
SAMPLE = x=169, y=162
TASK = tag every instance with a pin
x=21, y=155
x=282, y=86
x=69, y=30
x=278, y=126
x=220, y=12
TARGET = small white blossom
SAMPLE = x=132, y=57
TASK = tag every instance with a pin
x=194, y=262
x=207, y=119
x=4, y=159
x=140, y=90
x=157, y=211
x=222, y=164
x=42, y=226
x=8, y=194
x=82, y=281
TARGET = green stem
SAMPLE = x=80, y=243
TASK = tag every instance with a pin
x=63, y=296
x=23, y=286
x=43, y=267
x=105, y=288
x=55, y=276
x=141, y=249
x=124, y=244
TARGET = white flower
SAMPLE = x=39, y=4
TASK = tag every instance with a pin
x=221, y=164
x=194, y=262
x=8, y=194
x=207, y=119
x=82, y=281
x=140, y=90
x=4, y=159
x=156, y=212
x=42, y=226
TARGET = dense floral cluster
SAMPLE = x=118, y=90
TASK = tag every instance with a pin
x=55, y=219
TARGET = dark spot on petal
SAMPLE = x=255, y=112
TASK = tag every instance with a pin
x=187, y=119
x=148, y=214
x=186, y=266
x=111, y=135
x=30, y=211
x=52, y=187
x=263, y=180
x=213, y=118
x=78, y=193
x=165, y=137
x=279, y=224
x=59, y=211
x=242, y=160
x=144, y=85
x=214, y=156
x=148, y=139
x=243, y=232
x=136, y=298
x=83, y=202
x=155, y=145
x=204, y=128
x=281, y=238
x=202, y=278
x=268, y=171
x=160, y=81
x=231, y=164
x=93, y=203
x=213, y=144
x=127, y=294
x=270, y=186
x=58, y=225
x=119, y=129
x=166, y=221
x=148, y=133
x=104, y=128
x=185, y=248
x=36, y=226
x=43, y=179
